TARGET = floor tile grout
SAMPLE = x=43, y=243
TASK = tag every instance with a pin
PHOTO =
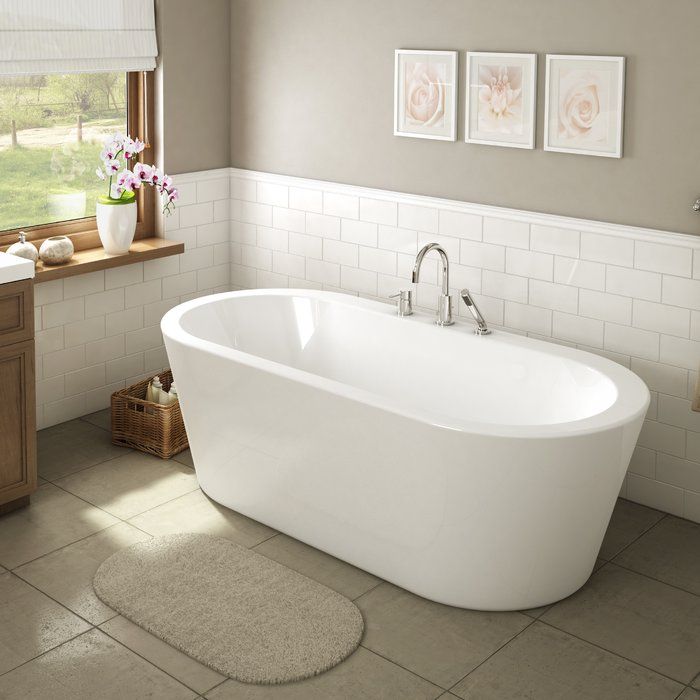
x=125, y=520
x=503, y=646
x=90, y=466
x=148, y=661
x=652, y=578
x=369, y=590
x=639, y=536
x=84, y=419
x=38, y=656
x=396, y=663
x=58, y=602
x=64, y=546
x=215, y=687
x=610, y=651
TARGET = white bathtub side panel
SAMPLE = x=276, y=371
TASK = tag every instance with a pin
x=466, y=520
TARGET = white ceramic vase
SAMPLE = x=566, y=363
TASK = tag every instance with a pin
x=116, y=223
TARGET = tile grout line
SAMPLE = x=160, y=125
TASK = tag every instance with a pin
x=148, y=661
x=112, y=514
x=93, y=505
x=614, y=653
x=369, y=590
x=64, y=546
x=38, y=656
x=503, y=646
x=398, y=665
x=72, y=612
x=218, y=685
x=89, y=466
x=652, y=578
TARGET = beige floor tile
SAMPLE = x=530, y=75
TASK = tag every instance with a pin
x=643, y=620
x=689, y=694
x=670, y=552
x=185, y=458
x=69, y=447
x=66, y=575
x=435, y=641
x=696, y=682
x=188, y=671
x=629, y=520
x=318, y=565
x=102, y=419
x=30, y=623
x=53, y=519
x=362, y=676
x=194, y=512
x=538, y=612
x=131, y=484
x=91, y=667
x=545, y=664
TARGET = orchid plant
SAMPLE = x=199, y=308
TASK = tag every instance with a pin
x=120, y=150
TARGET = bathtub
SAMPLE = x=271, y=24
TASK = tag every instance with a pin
x=476, y=471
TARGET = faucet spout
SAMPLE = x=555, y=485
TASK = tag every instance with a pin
x=415, y=276
x=444, y=311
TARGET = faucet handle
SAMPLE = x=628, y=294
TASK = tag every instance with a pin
x=404, y=306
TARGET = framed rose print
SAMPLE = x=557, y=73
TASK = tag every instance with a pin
x=584, y=102
x=500, y=99
x=425, y=94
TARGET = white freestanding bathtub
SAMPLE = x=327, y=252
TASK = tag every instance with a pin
x=477, y=471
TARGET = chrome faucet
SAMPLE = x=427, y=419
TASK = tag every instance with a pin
x=444, y=309
x=481, y=327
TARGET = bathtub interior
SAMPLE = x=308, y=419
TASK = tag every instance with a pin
x=450, y=372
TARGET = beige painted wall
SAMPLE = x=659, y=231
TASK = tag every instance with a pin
x=193, y=42
x=311, y=95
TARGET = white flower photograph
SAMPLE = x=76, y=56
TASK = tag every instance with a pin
x=425, y=101
x=500, y=99
x=584, y=105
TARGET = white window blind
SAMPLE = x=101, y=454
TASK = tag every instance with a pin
x=76, y=36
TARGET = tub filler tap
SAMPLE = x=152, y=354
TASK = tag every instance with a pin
x=481, y=327
x=444, y=308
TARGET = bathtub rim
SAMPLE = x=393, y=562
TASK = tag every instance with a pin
x=631, y=402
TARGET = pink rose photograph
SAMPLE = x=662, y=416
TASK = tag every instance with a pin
x=584, y=105
x=425, y=94
x=501, y=99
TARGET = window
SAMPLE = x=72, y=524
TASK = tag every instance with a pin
x=52, y=129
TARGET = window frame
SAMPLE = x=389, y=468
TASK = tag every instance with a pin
x=83, y=232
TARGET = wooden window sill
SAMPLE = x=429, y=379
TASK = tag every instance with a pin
x=92, y=259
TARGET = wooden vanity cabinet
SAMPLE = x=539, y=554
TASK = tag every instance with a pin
x=17, y=398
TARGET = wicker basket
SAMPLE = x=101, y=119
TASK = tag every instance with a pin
x=147, y=426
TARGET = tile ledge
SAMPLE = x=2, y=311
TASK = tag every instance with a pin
x=686, y=240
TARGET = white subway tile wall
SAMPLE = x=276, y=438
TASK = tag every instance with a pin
x=99, y=332
x=629, y=294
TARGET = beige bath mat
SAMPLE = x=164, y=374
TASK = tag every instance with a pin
x=234, y=610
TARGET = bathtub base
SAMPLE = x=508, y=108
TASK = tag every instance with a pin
x=469, y=521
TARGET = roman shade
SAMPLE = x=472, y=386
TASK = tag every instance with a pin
x=76, y=36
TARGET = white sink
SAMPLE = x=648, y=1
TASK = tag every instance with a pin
x=13, y=268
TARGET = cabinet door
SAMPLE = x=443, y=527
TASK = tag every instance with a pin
x=17, y=421
x=16, y=312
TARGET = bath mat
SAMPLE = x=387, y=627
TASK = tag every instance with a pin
x=232, y=609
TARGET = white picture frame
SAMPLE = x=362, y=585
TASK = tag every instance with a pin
x=425, y=94
x=584, y=105
x=500, y=99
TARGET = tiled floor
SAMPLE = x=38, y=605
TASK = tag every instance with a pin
x=632, y=632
